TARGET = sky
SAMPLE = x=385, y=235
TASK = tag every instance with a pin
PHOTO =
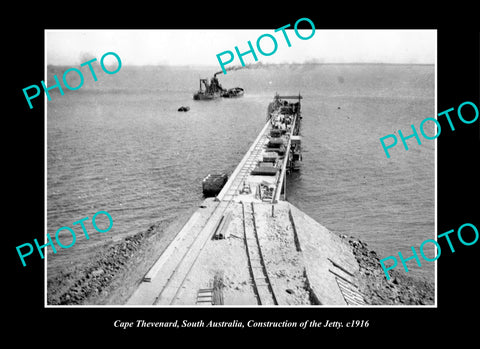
x=200, y=47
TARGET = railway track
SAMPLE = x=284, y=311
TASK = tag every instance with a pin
x=171, y=289
x=256, y=264
x=164, y=282
x=177, y=276
x=248, y=163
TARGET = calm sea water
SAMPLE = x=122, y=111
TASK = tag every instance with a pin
x=120, y=145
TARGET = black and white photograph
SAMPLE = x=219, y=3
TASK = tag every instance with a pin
x=262, y=182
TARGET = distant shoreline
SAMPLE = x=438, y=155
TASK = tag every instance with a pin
x=250, y=65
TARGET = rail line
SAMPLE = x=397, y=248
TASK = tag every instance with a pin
x=256, y=264
x=171, y=289
x=164, y=282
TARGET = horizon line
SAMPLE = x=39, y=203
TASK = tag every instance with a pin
x=259, y=64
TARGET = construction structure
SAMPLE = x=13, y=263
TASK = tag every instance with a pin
x=248, y=246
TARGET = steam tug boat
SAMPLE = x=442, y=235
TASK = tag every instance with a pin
x=214, y=90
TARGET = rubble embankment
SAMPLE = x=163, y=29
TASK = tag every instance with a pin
x=89, y=285
x=115, y=270
x=401, y=289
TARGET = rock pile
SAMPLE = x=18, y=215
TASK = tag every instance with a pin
x=76, y=286
x=401, y=289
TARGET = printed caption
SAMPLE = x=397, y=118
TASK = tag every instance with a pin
x=242, y=324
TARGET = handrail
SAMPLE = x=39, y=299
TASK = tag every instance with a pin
x=276, y=195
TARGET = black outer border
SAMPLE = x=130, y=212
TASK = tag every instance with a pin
x=457, y=81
